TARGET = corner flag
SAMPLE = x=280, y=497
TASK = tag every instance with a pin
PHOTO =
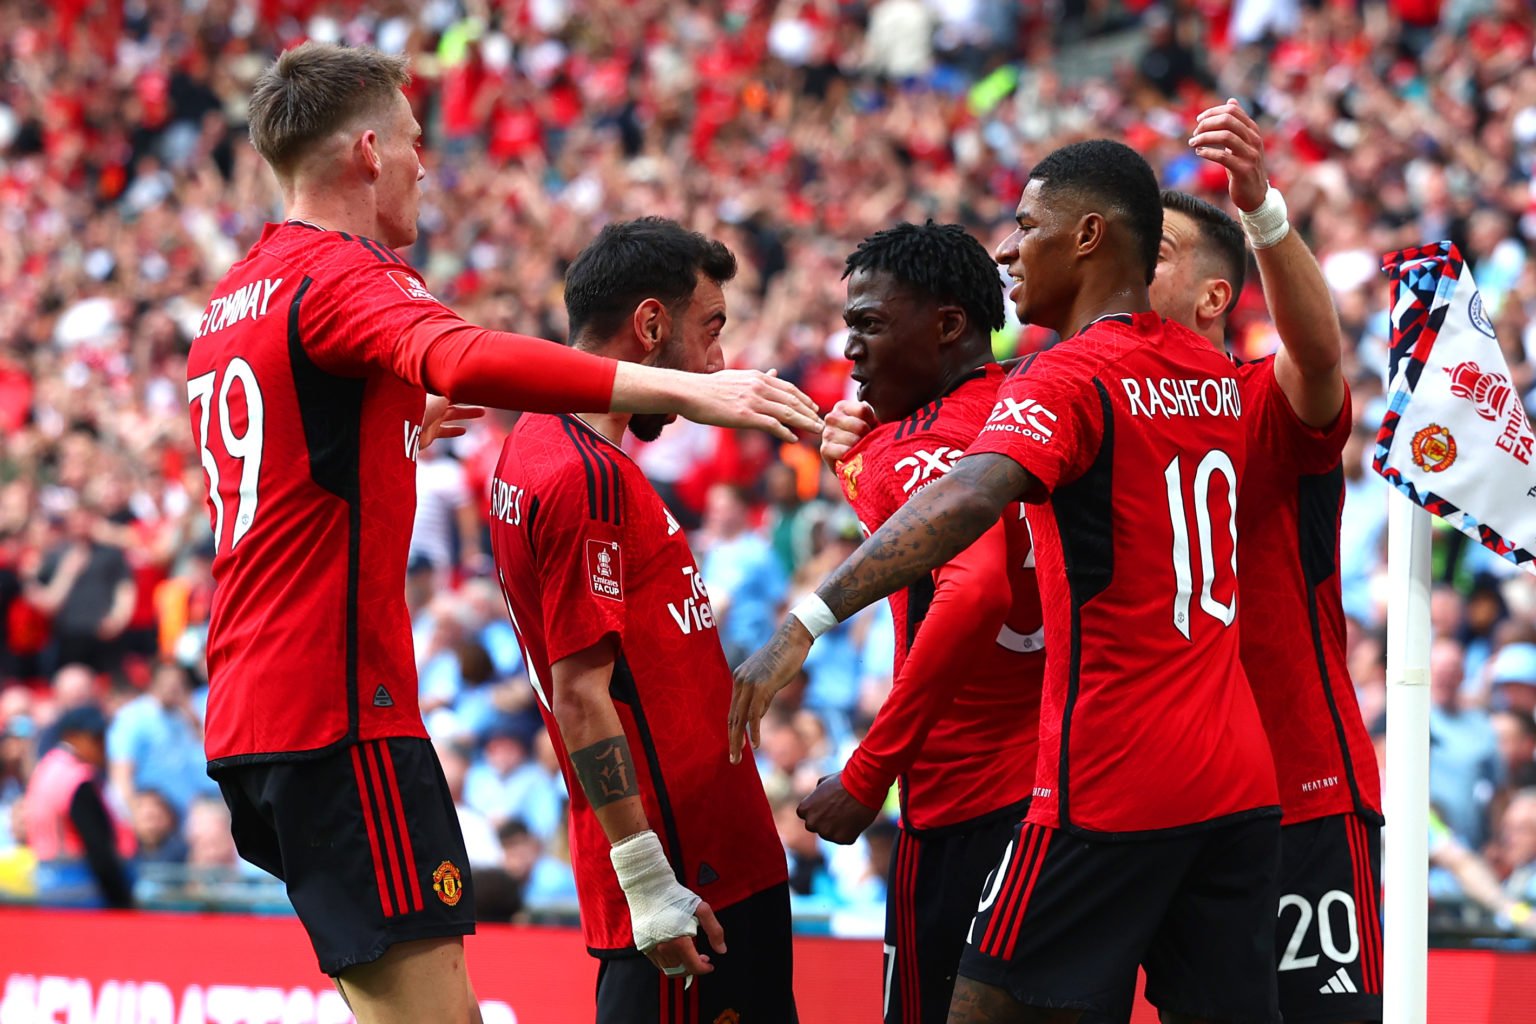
x=1455, y=438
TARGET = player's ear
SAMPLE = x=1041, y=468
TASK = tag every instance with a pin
x=1092, y=230
x=952, y=324
x=368, y=153
x=1215, y=297
x=651, y=324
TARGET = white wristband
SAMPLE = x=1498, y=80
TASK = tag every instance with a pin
x=1267, y=225
x=814, y=615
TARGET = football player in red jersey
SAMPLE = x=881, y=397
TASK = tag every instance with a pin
x=1296, y=413
x=624, y=655
x=307, y=381
x=957, y=728
x=1153, y=831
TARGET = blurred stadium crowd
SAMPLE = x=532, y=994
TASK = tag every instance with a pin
x=789, y=130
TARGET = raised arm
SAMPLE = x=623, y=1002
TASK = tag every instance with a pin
x=662, y=912
x=922, y=535
x=1308, y=365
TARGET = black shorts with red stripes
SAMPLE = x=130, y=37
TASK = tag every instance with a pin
x=1065, y=920
x=934, y=884
x=1328, y=934
x=752, y=982
x=367, y=841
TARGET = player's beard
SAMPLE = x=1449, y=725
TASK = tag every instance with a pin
x=647, y=425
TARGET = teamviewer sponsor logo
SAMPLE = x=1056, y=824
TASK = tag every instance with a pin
x=1028, y=417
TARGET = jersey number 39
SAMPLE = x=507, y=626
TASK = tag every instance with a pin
x=242, y=438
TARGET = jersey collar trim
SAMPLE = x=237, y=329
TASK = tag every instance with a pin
x=589, y=428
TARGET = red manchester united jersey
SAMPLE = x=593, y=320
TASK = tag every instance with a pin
x=308, y=437
x=979, y=756
x=585, y=549
x=1147, y=721
x=1288, y=521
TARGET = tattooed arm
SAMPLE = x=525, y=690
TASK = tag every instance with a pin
x=922, y=535
x=590, y=727
x=663, y=913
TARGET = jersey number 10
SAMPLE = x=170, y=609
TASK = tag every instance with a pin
x=244, y=447
x=1215, y=461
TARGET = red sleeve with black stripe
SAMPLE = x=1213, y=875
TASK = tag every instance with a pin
x=579, y=545
x=409, y=333
x=970, y=603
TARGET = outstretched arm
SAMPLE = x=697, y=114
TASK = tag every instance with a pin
x=1308, y=364
x=928, y=531
x=922, y=535
x=474, y=366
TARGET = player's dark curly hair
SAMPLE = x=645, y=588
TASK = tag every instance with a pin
x=1115, y=175
x=634, y=260
x=942, y=261
x=1222, y=234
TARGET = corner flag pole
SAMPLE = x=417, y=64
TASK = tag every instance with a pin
x=1406, y=785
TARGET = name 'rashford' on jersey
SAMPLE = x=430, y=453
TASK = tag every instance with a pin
x=308, y=435
x=585, y=549
x=1148, y=724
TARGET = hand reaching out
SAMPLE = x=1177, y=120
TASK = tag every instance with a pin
x=444, y=419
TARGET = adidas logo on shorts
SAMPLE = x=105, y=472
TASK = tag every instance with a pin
x=1339, y=983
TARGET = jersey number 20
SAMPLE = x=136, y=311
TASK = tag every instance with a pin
x=244, y=447
x=1215, y=461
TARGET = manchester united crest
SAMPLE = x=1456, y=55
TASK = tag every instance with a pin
x=1434, y=449
x=850, y=470
x=448, y=883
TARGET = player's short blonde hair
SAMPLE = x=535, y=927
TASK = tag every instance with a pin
x=314, y=90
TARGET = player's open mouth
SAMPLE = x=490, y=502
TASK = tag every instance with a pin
x=1018, y=286
x=862, y=383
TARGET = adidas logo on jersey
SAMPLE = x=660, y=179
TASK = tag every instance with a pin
x=382, y=699
x=1339, y=983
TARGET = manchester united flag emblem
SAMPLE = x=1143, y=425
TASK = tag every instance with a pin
x=1434, y=449
x=448, y=883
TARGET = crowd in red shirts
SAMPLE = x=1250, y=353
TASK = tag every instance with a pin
x=789, y=130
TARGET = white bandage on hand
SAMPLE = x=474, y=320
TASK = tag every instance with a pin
x=659, y=908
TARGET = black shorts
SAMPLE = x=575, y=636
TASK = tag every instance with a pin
x=1064, y=921
x=933, y=887
x=1328, y=934
x=367, y=841
x=752, y=982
